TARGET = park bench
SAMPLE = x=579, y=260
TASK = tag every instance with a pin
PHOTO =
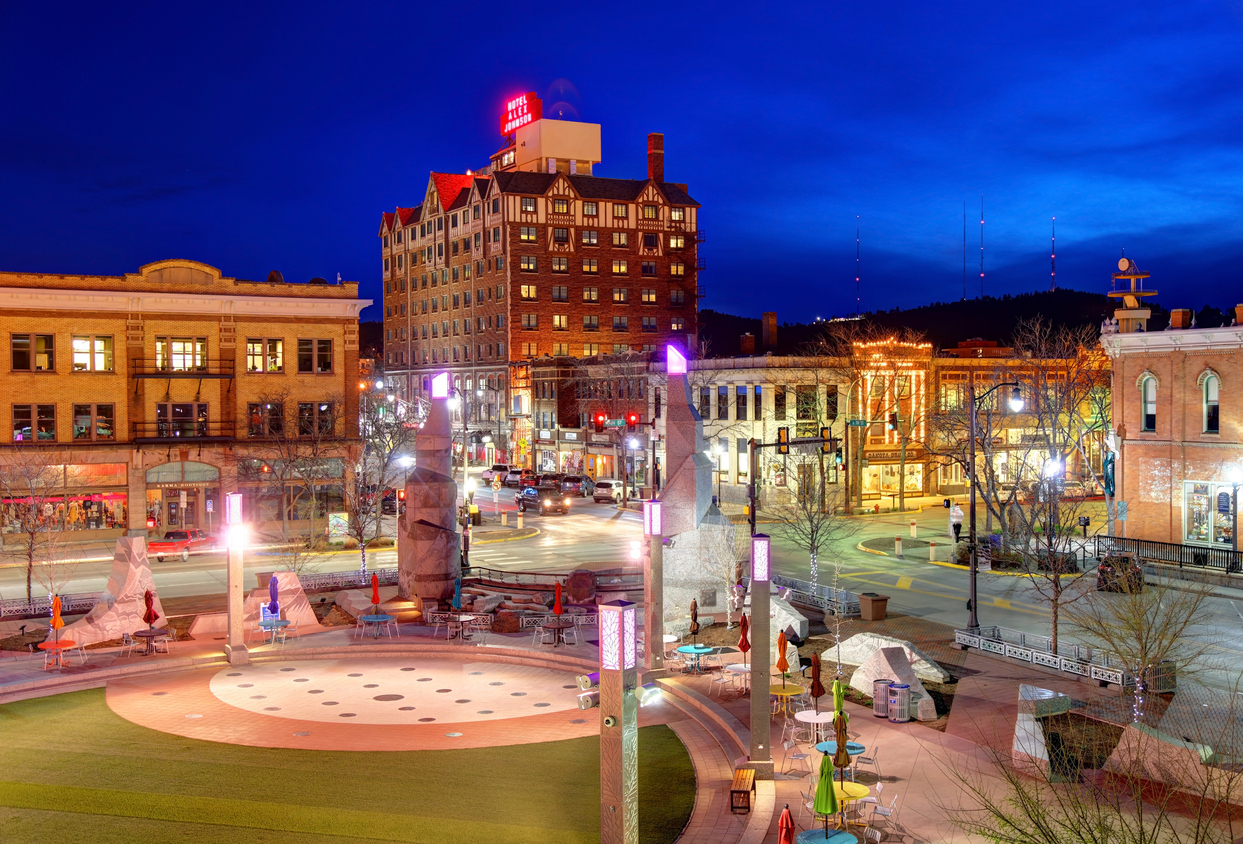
x=742, y=789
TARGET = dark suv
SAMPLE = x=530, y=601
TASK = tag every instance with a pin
x=577, y=485
x=545, y=501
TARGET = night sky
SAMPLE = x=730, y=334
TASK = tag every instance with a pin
x=262, y=135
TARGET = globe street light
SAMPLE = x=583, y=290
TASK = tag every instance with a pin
x=1016, y=405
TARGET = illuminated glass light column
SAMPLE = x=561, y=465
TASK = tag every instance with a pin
x=761, y=716
x=653, y=589
x=619, y=725
x=235, y=534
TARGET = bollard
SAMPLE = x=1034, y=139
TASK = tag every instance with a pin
x=897, y=546
x=504, y=518
x=912, y=528
x=519, y=520
x=932, y=552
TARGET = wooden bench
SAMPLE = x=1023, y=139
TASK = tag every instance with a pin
x=742, y=789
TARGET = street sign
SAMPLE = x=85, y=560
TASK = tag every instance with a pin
x=496, y=483
x=210, y=505
x=1120, y=507
x=859, y=423
x=614, y=423
x=1223, y=503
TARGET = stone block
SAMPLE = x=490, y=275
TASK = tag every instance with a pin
x=506, y=622
x=581, y=586
x=892, y=663
x=294, y=605
x=487, y=603
x=857, y=649
x=1039, y=702
x=121, y=605
x=786, y=618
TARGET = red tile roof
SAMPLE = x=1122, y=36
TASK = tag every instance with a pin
x=449, y=185
x=387, y=222
x=408, y=214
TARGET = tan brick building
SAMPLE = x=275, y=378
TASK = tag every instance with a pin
x=1178, y=434
x=155, y=392
x=533, y=256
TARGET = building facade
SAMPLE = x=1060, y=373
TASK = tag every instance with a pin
x=152, y=394
x=1179, y=444
x=534, y=257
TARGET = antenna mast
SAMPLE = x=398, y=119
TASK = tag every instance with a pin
x=981, y=246
x=858, y=304
x=1053, y=258
x=964, y=250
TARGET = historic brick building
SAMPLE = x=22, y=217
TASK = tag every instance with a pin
x=151, y=394
x=533, y=256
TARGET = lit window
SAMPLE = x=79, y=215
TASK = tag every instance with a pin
x=590, y=349
x=677, y=269
x=1148, y=395
x=590, y=238
x=528, y=234
x=621, y=238
x=1212, y=424
x=94, y=422
x=264, y=355
x=527, y=292
x=560, y=348
x=649, y=296
x=561, y=206
x=620, y=267
x=560, y=265
x=649, y=212
x=677, y=214
x=677, y=324
x=92, y=354
x=591, y=294
x=528, y=264
x=590, y=209
x=677, y=241
x=621, y=295
x=560, y=322
x=528, y=204
x=591, y=266
x=619, y=210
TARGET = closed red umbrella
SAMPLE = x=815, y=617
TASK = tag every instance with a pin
x=744, y=644
x=150, y=615
x=785, y=827
x=375, y=589
x=817, y=688
x=783, y=664
x=557, y=609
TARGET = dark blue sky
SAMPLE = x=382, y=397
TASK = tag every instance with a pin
x=259, y=136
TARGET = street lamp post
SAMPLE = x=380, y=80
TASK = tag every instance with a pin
x=1236, y=479
x=632, y=445
x=1016, y=404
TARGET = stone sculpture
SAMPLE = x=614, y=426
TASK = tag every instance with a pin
x=428, y=543
x=121, y=606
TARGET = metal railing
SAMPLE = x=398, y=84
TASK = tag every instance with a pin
x=69, y=604
x=176, y=430
x=201, y=368
x=319, y=581
x=837, y=601
x=1070, y=658
x=1183, y=556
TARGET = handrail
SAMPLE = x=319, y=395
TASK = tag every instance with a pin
x=69, y=604
x=1183, y=556
x=838, y=601
x=1071, y=658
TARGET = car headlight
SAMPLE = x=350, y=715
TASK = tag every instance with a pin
x=567, y=502
x=546, y=502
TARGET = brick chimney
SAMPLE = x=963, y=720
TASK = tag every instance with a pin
x=768, y=329
x=747, y=343
x=1180, y=318
x=1238, y=314
x=656, y=156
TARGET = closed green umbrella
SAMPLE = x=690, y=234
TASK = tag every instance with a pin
x=839, y=695
x=826, y=798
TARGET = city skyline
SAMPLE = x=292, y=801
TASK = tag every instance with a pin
x=270, y=139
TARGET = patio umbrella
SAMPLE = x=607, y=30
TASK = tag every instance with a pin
x=694, y=620
x=785, y=827
x=57, y=621
x=826, y=798
x=783, y=664
x=557, y=609
x=274, y=605
x=457, y=593
x=150, y=615
x=841, y=758
x=817, y=688
x=744, y=644
x=375, y=590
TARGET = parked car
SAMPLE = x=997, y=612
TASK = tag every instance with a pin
x=1119, y=574
x=181, y=543
x=528, y=477
x=544, y=501
x=394, y=502
x=577, y=485
x=550, y=482
x=513, y=477
x=607, y=489
x=497, y=469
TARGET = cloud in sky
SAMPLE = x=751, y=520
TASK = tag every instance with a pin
x=273, y=136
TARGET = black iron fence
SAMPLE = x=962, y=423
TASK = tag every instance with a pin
x=1171, y=554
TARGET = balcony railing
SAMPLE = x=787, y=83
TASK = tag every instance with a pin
x=1170, y=554
x=203, y=368
x=182, y=430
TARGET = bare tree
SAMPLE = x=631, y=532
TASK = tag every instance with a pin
x=33, y=483
x=615, y=386
x=719, y=547
x=811, y=516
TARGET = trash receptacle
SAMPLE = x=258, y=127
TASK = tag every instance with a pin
x=880, y=698
x=872, y=606
x=899, y=703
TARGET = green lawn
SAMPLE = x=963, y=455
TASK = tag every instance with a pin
x=72, y=771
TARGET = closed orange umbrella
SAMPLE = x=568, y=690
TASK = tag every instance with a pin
x=57, y=621
x=783, y=664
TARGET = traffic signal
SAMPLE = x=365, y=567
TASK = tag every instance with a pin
x=783, y=440
x=600, y=420
x=893, y=422
x=826, y=444
x=632, y=421
x=837, y=455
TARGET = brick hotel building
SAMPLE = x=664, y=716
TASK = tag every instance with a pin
x=534, y=256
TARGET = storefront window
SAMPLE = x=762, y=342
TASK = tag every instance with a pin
x=1197, y=515
x=89, y=511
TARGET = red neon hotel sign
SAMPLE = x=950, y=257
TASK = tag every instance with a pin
x=520, y=111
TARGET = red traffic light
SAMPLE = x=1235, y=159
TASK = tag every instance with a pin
x=632, y=418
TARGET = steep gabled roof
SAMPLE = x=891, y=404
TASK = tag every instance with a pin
x=406, y=216
x=386, y=221
x=449, y=185
x=676, y=194
x=525, y=182
x=595, y=187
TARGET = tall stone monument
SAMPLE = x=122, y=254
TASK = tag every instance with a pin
x=428, y=543
x=686, y=503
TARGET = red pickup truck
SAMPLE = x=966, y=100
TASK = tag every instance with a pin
x=181, y=543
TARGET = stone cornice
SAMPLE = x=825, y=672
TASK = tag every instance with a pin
x=1177, y=340
x=189, y=304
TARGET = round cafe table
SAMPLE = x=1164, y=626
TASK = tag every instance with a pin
x=57, y=650
x=695, y=652
x=818, y=720
x=783, y=695
x=558, y=626
x=271, y=626
x=853, y=748
x=817, y=836
x=150, y=635
x=374, y=623
x=742, y=671
x=848, y=791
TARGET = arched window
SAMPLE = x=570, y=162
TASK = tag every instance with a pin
x=1211, y=425
x=1148, y=398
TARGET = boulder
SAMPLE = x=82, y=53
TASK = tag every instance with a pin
x=122, y=604
x=581, y=586
x=787, y=618
x=506, y=622
x=486, y=603
x=543, y=598
x=857, y=649
x=893, y=664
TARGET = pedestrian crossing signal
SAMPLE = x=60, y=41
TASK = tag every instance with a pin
x=826, y=441
x=783, y=440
